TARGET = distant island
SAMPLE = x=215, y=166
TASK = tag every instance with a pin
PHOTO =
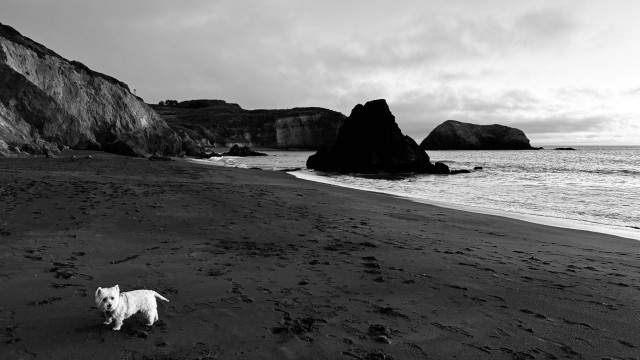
x=456, y=135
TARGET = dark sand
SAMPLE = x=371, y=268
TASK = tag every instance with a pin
x=260, y=265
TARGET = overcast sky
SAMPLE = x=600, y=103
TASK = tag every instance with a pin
x=565, y=72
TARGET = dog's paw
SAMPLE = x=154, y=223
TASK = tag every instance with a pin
x=107, y=322
x=116, y=328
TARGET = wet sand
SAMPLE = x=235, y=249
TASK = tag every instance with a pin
x=261, y=265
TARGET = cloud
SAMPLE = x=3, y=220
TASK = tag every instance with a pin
x=425, y=40
x=525, y=64
x=564, y=124
x=449, y=76
x=546, y=26
x=543, y=117
x=418, y=51
x=289, y=53
x=633, y=92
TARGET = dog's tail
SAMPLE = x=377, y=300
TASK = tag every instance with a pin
x=160, y=296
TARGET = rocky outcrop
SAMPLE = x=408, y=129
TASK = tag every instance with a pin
x=4, y=149
x=47, y=100
x=221, y=124
x=370, y=141
x=242, y=151
x=455, y=135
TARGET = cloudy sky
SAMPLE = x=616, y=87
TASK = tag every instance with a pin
x=565, y=72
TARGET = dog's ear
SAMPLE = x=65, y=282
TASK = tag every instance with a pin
x=117, y=288
x=98, y=291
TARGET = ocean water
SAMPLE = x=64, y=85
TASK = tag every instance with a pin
x=592, y=188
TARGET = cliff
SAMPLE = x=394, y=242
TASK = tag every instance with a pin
x=370, y=141
x=455, y=135
x=218, y=123
x=47, y=101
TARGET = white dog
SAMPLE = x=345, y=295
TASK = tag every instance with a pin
x=119, y=306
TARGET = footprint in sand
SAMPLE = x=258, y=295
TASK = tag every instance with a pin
x=46, y=301
x=299, y=327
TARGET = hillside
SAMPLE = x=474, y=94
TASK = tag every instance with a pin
x=218, y=123
x=47, y=102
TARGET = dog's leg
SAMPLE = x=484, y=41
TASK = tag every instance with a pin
x=118, y=324
x=108, y=321
x=152, y=316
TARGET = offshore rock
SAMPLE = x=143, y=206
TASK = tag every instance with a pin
x=242, y=151
x=456, y=135
x=216, y=123
x=370, y=141
x=203, y=155
x=441, y=168
x=47, y=100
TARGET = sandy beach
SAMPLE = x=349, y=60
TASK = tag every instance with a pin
x=261, y=265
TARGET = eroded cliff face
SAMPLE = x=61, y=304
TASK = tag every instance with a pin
x=218, y=123
x=307, y=131
x=44, y=97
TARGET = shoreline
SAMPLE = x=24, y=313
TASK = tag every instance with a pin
x=564, y=223
x=534, y=219
x=262, y=265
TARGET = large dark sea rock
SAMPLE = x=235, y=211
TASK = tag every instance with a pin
x=219, y=124
x=456, y=135
x=370, y=141
x=47, y=101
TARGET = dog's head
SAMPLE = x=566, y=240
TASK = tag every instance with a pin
x=107, y=299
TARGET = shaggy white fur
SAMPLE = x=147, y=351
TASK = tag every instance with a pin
x=119, y=306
